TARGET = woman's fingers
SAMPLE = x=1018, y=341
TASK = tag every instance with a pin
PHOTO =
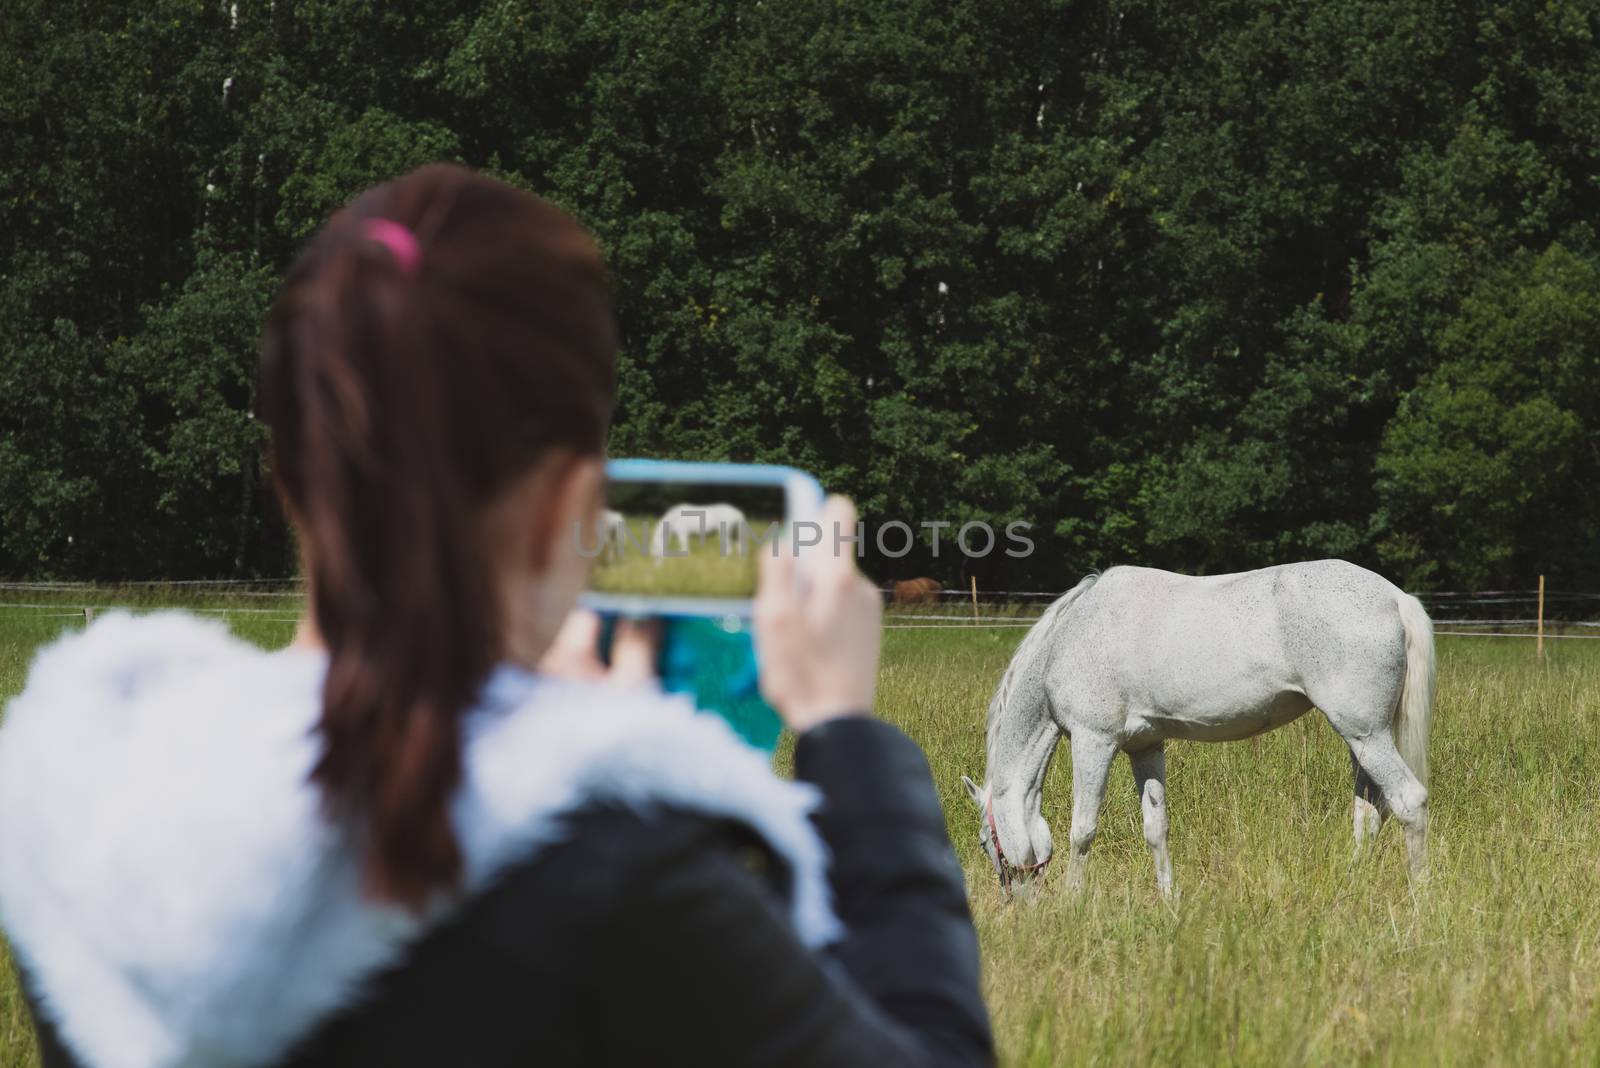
x=634, y=648
x=776, y=591
x=818, y=637
x=575, y=653
x=834, y=556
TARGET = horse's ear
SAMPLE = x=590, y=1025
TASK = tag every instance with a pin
x=974, y=791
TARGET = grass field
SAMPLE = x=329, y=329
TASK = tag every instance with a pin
x=701, y=566
x=1283, y=950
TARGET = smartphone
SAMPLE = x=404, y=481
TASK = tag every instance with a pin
x=679, y=542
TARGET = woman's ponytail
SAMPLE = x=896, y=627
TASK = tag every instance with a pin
x=402, y=397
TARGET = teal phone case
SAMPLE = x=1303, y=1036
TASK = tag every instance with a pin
x=713, y=661
x=707, y=648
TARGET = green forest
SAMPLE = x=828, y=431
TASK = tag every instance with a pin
x=1200, y=286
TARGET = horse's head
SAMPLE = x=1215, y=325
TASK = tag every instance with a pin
x=1004, y=831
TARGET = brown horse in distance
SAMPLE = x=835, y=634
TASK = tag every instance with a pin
x=913, y=591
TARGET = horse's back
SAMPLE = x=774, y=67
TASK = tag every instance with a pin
x=1316, y=600
x=1193, y=651
x=1329, y=591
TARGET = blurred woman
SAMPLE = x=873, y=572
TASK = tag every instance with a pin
x=435, y=831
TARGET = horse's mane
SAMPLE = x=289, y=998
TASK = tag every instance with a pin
x=1031, y=644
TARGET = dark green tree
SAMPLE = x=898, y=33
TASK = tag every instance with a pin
x=1206, y=288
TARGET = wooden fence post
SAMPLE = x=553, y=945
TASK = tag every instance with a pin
x=88, y=616
x=1539, y=644
x=974, y=598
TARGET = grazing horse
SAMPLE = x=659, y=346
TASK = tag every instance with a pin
x=1133, y=657
x=613, y=532
x=684, y=521
x=913, y=591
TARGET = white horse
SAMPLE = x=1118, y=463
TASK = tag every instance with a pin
x=1135, y=656
x=613, y=530
x=683, y=521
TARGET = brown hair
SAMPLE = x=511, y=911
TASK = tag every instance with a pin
x=402, y=397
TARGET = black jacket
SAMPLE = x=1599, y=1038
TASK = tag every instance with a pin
x=660, y=938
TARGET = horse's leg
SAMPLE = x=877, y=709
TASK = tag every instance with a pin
x=1091, y=766
x=1369, y=807
x=1402, y=793
x=1150, y=783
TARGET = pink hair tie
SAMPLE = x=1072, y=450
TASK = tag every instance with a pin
x=401, y=243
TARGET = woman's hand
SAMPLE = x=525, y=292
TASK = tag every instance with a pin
x=575, y=654
x=819, y=645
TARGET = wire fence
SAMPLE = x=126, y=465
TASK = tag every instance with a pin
x=1507, y=613
x=1455, y=613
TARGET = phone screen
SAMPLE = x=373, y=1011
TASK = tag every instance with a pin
x=683, y=539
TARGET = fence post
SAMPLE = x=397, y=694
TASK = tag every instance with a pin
x=88, y=616
x=1539, y=645
x=974, y=598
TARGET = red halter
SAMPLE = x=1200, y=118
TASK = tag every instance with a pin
x=1000, y=854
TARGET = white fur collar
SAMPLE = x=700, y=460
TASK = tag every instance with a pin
x=169, y=884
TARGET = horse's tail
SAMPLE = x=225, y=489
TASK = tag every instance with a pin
x=1035, y=639
x=1416, y=695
